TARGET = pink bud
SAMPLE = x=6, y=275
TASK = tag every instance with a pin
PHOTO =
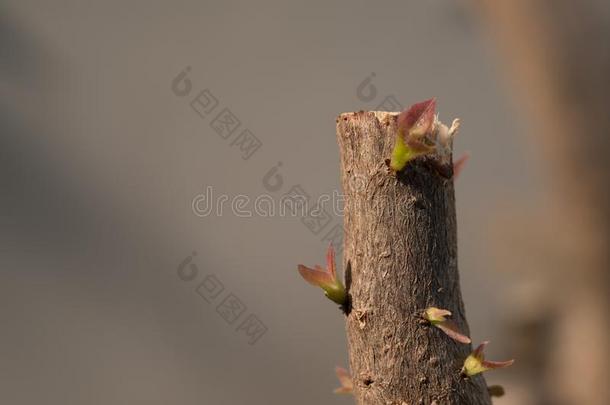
x=347, y=385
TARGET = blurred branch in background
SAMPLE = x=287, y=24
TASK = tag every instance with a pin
x=557, y=55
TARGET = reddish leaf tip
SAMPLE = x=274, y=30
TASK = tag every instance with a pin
x=330, y=260
x=345, y=379
x=475, y=363
x=497, y=364
x=451, y=330
x=419, y=111
x=316, y=277
x=458, y=165
x=478, y=352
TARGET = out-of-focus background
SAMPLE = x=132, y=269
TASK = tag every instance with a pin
x=119, y=288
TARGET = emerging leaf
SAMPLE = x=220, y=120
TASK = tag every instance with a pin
x=437, y=317
x=433, y=314
x=318, y=276
x=416, y=125
x=326, y=279
x=401, y=155
x=347, y=385
x=475, y=363
x=451, y=330
x=459, y=165
x=421, y=133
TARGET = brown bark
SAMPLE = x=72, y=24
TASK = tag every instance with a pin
x=400, y=256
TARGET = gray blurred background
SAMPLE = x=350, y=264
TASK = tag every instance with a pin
x=100, y=161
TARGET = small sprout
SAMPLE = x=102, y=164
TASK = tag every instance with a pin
x=475, y=363
x=437, y=317
x=347, y=384
x=421, y=133
x=496, y=391
x=326, y=279
x=459, y=164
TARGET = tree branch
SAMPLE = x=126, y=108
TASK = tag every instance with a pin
x=400, y=256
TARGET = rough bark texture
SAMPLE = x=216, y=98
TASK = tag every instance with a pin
x=400, y=257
